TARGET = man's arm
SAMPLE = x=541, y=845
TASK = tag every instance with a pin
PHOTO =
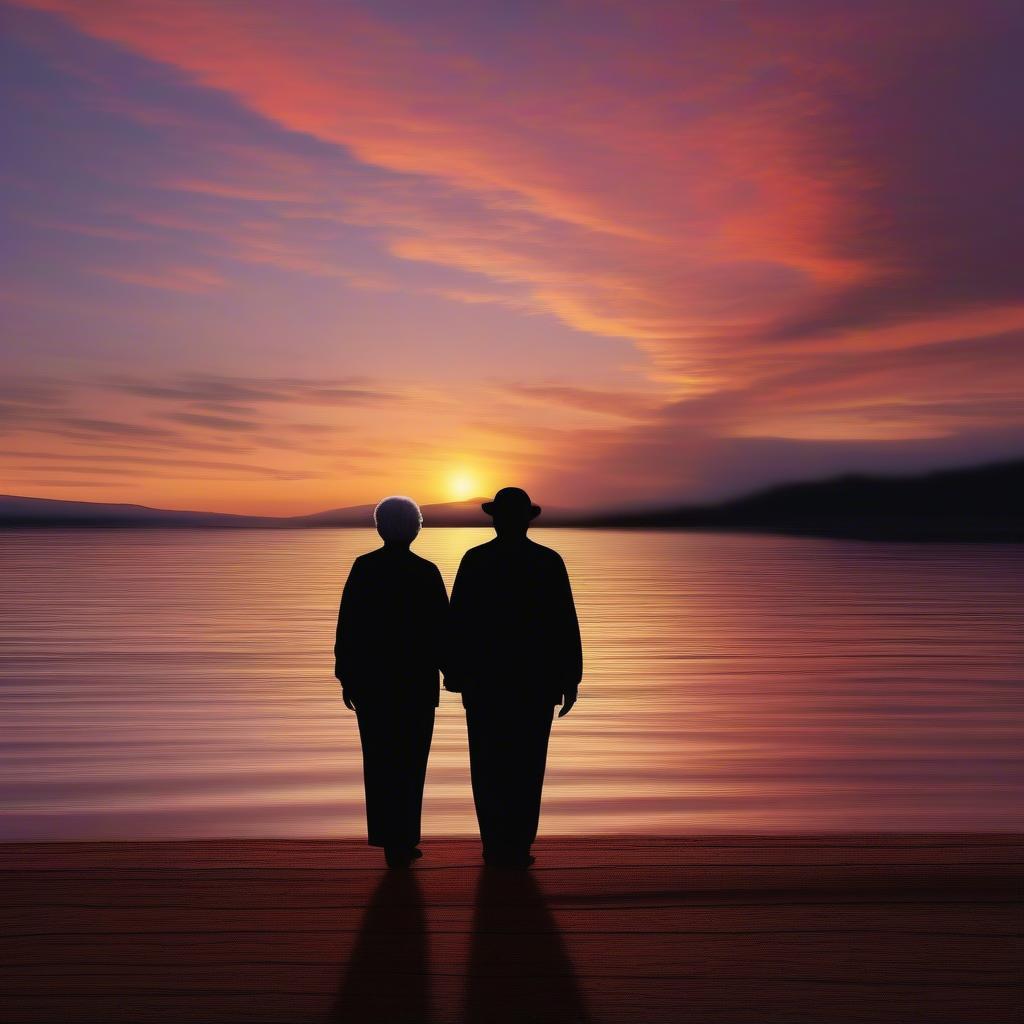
x=573, y=646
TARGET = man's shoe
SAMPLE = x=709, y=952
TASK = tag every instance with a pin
x=508, y=859
x=400, y=856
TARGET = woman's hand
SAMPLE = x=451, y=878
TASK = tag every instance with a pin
x=344, y=696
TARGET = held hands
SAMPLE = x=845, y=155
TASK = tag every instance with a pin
x=568, y=700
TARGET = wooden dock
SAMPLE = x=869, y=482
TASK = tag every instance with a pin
x=821, y=930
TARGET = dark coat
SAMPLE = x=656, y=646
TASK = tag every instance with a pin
x=391, y=627
x=513, y=627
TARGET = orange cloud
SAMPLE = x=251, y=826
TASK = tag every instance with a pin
x=803, y=218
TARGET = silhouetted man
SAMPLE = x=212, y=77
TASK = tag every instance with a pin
x=387, y=655
x=514, y=654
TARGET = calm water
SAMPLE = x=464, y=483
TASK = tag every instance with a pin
x=178, y=684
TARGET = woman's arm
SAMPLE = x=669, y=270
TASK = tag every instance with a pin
x=454, y=632
x=348, y=632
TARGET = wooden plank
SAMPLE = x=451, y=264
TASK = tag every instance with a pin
x=802, y=929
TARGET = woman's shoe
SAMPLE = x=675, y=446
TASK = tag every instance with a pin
x=401, y=856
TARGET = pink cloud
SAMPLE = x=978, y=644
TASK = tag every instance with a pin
x=805, y=216
x=174, y=279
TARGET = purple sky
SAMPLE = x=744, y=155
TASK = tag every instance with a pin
x=293, y=255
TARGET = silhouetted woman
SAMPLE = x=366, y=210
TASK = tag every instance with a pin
x=387, y=657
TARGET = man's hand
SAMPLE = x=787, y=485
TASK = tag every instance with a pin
x=568, y=700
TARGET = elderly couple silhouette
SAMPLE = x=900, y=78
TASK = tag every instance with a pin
x=509, y=643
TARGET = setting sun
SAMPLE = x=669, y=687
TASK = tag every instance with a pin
x=462, y=485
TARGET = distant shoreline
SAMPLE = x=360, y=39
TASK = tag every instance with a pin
x=982, y=504
x=923, y=533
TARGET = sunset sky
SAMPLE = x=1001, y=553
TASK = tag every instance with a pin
x=286, y=256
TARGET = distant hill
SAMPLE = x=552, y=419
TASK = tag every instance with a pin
x=455, y=513
x=978, y=504
x=21, y=512
x=16, y=511
x=984, y=503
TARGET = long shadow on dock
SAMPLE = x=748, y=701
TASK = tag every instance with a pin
x=803, y=929
x=388, y=975
x=519, y=969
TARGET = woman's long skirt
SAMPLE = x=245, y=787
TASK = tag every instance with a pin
x=396, y=743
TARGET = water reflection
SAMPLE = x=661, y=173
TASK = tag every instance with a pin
x=519, y=969
x=387, y=978
x=178, y=684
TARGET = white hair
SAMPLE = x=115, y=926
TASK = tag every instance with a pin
x=398, y=519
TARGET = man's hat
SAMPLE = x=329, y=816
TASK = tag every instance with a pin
x=512, y=501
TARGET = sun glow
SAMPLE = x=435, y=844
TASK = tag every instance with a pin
x=462, y=485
